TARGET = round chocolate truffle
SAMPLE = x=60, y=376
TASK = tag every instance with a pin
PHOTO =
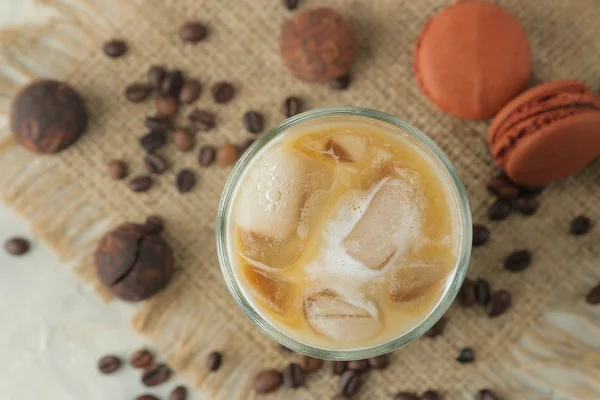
x=134, y=262
x=48, y=116
x=317, y=44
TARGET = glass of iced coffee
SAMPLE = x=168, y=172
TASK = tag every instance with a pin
x=344, y=233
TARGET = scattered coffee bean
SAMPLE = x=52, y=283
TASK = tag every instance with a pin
x=380, y=362
x=291, y=4
x=193, y=32
x=137, y=92
x=466, y=356
x=156, y=76
x=483, y=291
x=141, y=359
x=213, y=362
x=158, y=124
x=341, y=82
x=16, y=246
x=518, y=261
x=156, y=375
x=340, y=397
x=502, y=189
x=190, y=91
x=152, y=141
x=292, y=106
x=184, y=141
x=223, y=92
x=499, y=210
x=109, y=364
x=206, y=155
x=527, y=205
x=201, y=120
x=468, y=293
x=580, y=225
x=593, y=296
x=155, y=224
x=293, y=376
x=166, y=106
x=172, y=83
x=115, y=48
x=185, y=181
x=406, y=396
x=338, y=367
x=499, y=303
x=437, y=329
x=267, y=381
x=140, y=184
x=530, y=190
x=155, y=163
x=245, y=146
x=117, y=169
x=179, y=393
x=227, y=155
x=431, y=395
x=481, y=235
x=310, y=364
x=486, y=394
x=350, y=383
x=359, y=365
x=146, y=397
x=254, y=122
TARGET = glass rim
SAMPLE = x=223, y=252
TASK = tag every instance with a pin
x=442, y=305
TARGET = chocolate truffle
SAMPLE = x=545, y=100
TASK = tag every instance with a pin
x=48, y=116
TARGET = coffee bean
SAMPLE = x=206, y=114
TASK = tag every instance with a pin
x=227, y=155
x=201, y=120
x=179, y=393
x=109, y=364
x=206, y=155
x=117, y=169
x=502, y=189
x=146, y=397
x=359, y=365
x=406, y=396
x=223, y=92
x=340, y=397
x=141, y=184
x=155, y=163
x=518, y=261
x=115, y=48
x=190, y=91
x=158, y=124
x=155, y=224
x=467, y=296
x=291, y=4
x=137, y=92
x=310, y=364
x=499, y=303
x=184, y=141
x=185, y=181
x=530, y=190
x=254, y=122
x=293, y=376
x=486, y=394
x=291, y=106
x=338, y=367
x=481, y=235
x=172, y=83
x=141, y=359
x=153, y=141
x=380, y=362
x=267, y=381
x=499, y=210
x=16, y=246
x=350, y=383
x=437, y=329
x=482, y=291
x=245, y=146
x=431, y=395
x=166, y=106
x=593, y=296
x=466, y=356
x=156, y=375
x=580, y=225
x=341, y=82
x=527, y=205
x=193, y=32
x=213, y=361
x=156, y=76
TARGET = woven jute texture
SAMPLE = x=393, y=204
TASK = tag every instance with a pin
x=70, y=201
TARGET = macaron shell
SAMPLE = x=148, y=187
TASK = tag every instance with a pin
x=556, y=151
x=472, y=58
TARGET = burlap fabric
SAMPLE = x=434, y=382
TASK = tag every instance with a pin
x=70, y=201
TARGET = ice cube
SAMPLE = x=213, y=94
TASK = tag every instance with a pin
x=348, y=147
x=274, y=253
x=277, y=293
x=331, y=315
x=391, y=219
x=410, y=281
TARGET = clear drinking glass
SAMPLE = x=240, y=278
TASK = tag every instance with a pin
x=346, y=114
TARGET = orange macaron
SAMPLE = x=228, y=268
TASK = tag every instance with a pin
x=548, y=133
x=471, y=59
